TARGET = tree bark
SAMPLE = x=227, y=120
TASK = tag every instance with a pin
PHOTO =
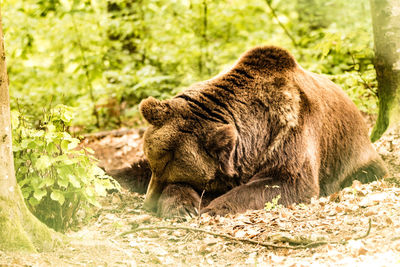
x=386, y=28
x=19, y=229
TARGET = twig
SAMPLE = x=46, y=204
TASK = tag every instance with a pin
x=395, y=238
x=361, y=77
x=368, y=231
x=199, y=214
x=280, y=23
x=85, y=67
x=245, y=240
x=309, y=244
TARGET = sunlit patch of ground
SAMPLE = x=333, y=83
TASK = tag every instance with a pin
x=341, y=220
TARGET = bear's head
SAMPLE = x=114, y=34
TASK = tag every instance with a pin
x=183, y=148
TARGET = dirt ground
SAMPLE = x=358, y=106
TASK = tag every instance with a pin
x=359, y=226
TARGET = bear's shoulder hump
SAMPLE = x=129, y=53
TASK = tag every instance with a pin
x=268, y=58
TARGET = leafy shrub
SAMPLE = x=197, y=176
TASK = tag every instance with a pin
x=57, y=178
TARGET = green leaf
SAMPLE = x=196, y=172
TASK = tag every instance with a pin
x=64, y=145
x=63, y=183
x=63, y=175
x=67, y=116
x=94, y=202
x=51, y=137
x=22, y=170
x=67, y=4
x=39, y=194
x=97, y=171
x=82, y=173
x=23, y=182
x=43, y=162
x=89, y=191
x=61, y=159
x=26, y=191
x=74, y=181
x=100, y=189
x=33, y=144
x=24, y=144
x=16, y=147
x=33, y=201
x=15, y=119
x=73, y=144
x=39, y=133
x=57, y=196
x=48, y=181
x=52, y=148
x=89, y=150
x=51, y=127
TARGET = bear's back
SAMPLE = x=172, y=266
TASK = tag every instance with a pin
x=344, y=146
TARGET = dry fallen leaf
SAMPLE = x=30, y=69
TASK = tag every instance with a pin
x=240, y=233
x=144, y=218
x=252, y=233
x=370, y=213
x=397, y=246
x=339, y=209
x=388, y=220
x=335, y=197
x=204, y=249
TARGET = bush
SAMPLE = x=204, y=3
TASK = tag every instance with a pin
x=57, y=178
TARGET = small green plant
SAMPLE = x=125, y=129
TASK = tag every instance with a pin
x=57, y=178
x=273, y=205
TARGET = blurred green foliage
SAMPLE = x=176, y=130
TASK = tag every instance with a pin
x=103, y=57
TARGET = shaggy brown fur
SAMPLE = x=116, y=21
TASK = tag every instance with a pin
x=265, y=128
x=135, y=177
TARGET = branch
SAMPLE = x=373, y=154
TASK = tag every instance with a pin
x=243, y=240
x=246, y=240
x=280, y=23
x=368, y=231
x=361, y=77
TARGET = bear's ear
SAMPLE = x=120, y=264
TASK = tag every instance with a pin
x=221, y=144
x=154, y=111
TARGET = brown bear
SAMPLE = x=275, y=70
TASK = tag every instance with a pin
x=265, y=128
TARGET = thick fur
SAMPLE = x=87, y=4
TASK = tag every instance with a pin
x=265, y=128
x=136, y=177
x=177, y=200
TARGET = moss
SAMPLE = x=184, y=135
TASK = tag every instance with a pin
x=389, y=116
x=12, y=235
x=382, y=122
x=20, y=230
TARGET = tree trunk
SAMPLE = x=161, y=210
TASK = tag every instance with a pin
x=386, y=27
x=19, y=229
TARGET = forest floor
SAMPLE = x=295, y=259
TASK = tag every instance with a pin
x=359, y=226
